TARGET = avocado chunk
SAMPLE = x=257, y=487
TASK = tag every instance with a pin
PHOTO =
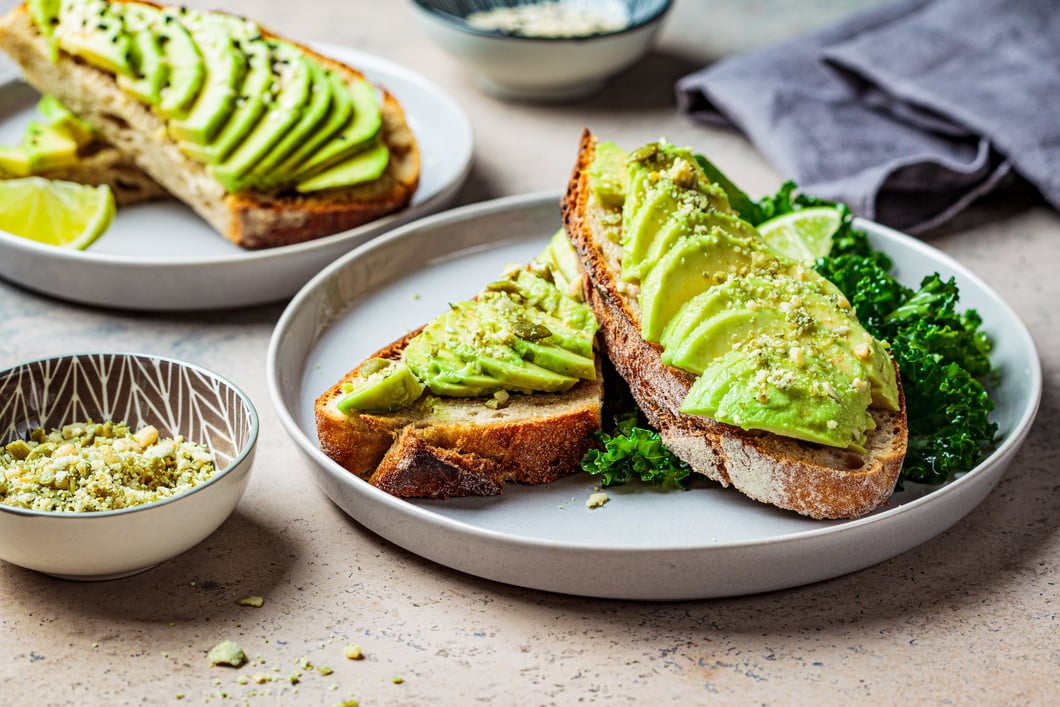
x=14, y=162
x=362, y=167
x=93, y=30
x=48, y=147
x=291, y=81
x=363, y=127
x=224, y=67
x=150, y=70
x=61, y=117
x=556, y=358
x=384, y=386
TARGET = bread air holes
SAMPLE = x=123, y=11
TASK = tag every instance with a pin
x=116, y=120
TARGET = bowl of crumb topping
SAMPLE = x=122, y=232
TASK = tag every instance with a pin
x=111, y=463
x=543, y=49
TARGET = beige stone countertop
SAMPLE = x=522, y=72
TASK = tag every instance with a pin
x=968, y=618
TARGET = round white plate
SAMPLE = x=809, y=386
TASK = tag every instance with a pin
x=643, y=544
x=162, y=256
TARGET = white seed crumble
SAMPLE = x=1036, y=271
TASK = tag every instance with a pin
x=551, y=19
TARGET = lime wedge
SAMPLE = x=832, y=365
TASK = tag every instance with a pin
x=55, y=212
x=804, y=235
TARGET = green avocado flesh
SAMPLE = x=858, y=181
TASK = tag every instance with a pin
x=774, y=346
x=259, y=112
x=521, y=334
x=47, y=144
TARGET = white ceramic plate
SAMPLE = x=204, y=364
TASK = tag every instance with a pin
x=643, y=544
x=162, y=256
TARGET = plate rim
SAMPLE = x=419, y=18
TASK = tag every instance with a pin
x=1001, y=455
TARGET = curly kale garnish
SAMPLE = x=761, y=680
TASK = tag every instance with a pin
x=942, y=356
x=633, y=451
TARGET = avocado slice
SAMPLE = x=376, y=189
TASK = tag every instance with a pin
x=48, y=147
x=45, y=15
x=14, y=162
x=791, y=399
x=364, y=125
x=185, y=72
x=291, y=81
x=442, y=372
x=608, y=174
x=93, y=30
x=362, y=167
x=692, y=266
x=556, y=358
x=386, y=386
x=61, y=117
x=224, y=68
x=313, y=115
x=150, y=68
x=519, y=374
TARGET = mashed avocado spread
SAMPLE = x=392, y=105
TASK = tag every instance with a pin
x=774, y=346
x=527, y=332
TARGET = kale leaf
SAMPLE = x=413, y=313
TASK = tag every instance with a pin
x=634, y=451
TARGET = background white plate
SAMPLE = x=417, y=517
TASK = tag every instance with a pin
x=162, y=256
x=643, y=544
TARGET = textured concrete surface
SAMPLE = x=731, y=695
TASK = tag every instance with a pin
x=968, y=618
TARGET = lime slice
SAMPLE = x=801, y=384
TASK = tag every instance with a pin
x=804, y=235
x=55, y=212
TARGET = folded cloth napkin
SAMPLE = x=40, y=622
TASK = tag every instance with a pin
x=908, y=112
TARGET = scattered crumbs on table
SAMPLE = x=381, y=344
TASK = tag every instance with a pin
x=227, y=653
x=353, y=652
x=397, y=679
x=252, y=600
x=596, y=499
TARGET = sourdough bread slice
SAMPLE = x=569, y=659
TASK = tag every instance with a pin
x=248, y=219
x=442, y=447
x=814, y=480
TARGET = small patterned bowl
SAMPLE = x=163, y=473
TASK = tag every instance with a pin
x=550, y=68
x=178, y=399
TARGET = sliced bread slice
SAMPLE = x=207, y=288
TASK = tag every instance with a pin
x=811, y=479
x=247, y=218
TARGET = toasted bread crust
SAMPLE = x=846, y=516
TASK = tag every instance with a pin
x=248, y=219
x=446, y=447
x=814, y=480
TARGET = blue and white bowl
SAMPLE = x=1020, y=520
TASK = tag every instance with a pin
x=513, y=65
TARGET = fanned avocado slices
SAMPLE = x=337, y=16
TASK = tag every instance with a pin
x=313, y=115
x=358, y=134
x=260, y=112
x=224, y=66
x=291, y=79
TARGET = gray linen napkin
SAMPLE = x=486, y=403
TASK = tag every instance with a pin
x=908, y=112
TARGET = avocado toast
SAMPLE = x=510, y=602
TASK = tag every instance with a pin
x=270, y=142
x=844, y=477
x=503, y=387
